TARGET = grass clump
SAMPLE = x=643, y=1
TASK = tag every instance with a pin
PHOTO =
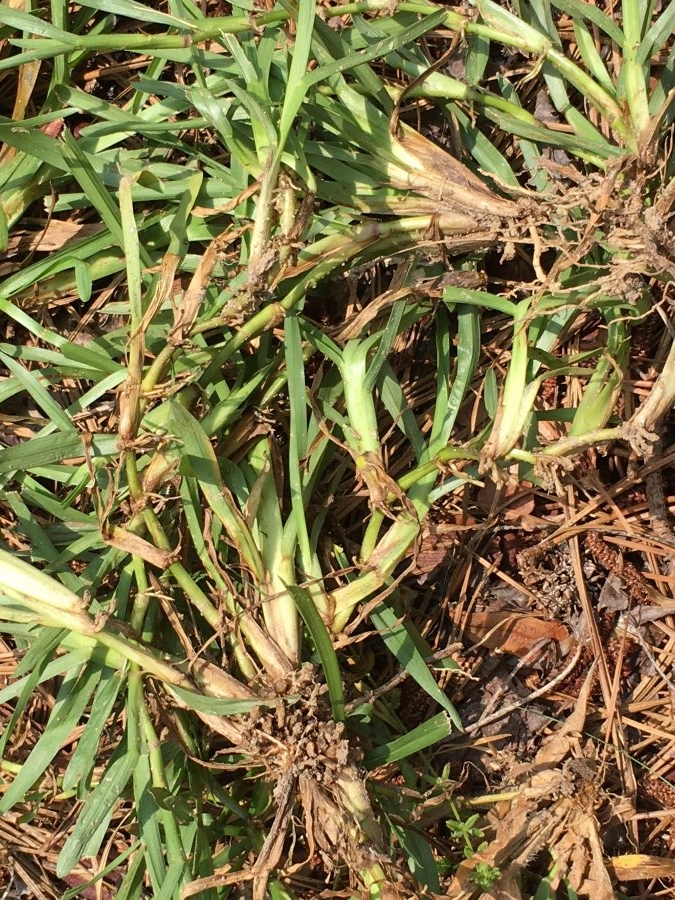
x=262, y=330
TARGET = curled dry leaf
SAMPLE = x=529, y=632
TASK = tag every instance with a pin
x=122, y=539
x=514, y=633
x=430, y=171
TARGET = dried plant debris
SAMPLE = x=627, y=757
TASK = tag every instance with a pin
x=548, y=573
x=554, y=802
x=305, y=756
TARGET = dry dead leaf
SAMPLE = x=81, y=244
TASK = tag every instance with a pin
x=512, y=632
x=131, y=543
x=435, y=174
x=639, y=866
x=568, y=736
x=54, y=236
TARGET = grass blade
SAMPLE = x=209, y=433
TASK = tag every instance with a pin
x=83, y=759
x=396, y=635
x=98, y=808
x=71, y=703
x=430, y=732
x=324, y=647
x=198, y=460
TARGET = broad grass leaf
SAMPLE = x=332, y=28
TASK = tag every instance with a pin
x=190, y=498
x=82, y=169
x=421, y=862
x=140, y=12
x=430, y=732
x=30, y=383
x=396, y=404
x=36, y=663
x=147, y=810
x=401, y=643
x=115, y=863
x=198, y=461
x=88, y=364
x=324, y=647
x=590, y=55
x=4, y=231
x=379, y=49
x=71, y=703
x=83, y=280
x=488, y=157
x=96, y=251
x=297, y=84
x=658, y=35
x=385, y=339
x=477, y=57
x=449, y=402
x=452, y=295
x=593, y=146
x=43, y=648
x=83, y=759
x=53, y=448
x=132, y=887
x=31, y=24
x=331, y=44
x=172, y=881
x=219, y=707
x=578, y=10
x=215, y=113
x=98, y=808
x=298, y=446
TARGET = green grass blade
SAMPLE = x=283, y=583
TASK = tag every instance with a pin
x=578, y=10
x=199, y=461
x=70, y=705
x=421, y=861
x=394, y=401
x=379, y=49
x=132, y=887
x=297, y=439
x=216, y=706
x=98, y=808
x=297, y=84
x=44, y=645
x=171, y=884
x=148, y=811
x=139, y=12
x=430, y=732
x=54, y=448
x=477, y=58
x=658, y=35
x=83, y=759
x=386, y=341
x=324, y=647
x=591, y=57
x=36, y=663
x=96, y=192
x=400, y=642
x=31, y=24
x=40, y=395
x=468, y=353
x=115, y=863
